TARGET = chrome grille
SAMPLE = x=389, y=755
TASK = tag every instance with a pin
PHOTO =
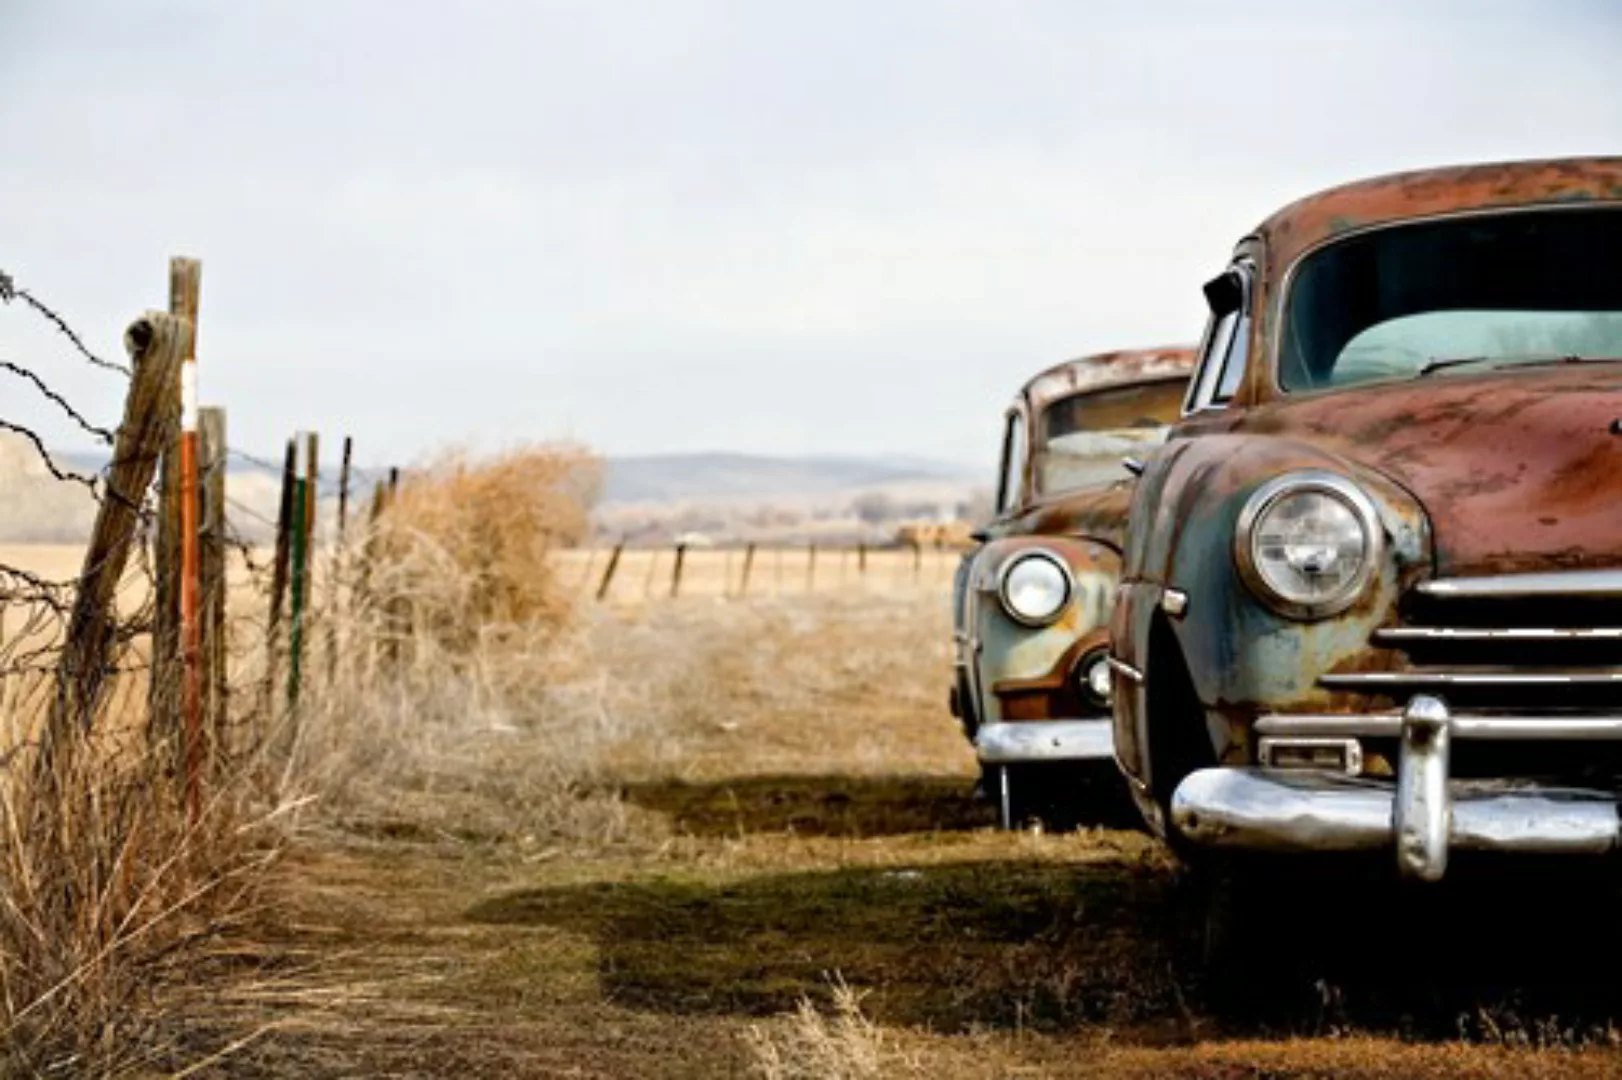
x=1538, y=643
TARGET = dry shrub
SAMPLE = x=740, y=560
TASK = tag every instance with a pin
x=808, y=1045
x=490, y=524
x=459, y=711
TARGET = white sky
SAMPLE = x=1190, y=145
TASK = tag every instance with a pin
x=826, y=226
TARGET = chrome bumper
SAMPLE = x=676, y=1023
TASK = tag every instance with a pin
x=1421, y=816
x=1032, y=741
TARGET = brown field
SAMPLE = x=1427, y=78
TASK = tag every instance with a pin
x=740, y=839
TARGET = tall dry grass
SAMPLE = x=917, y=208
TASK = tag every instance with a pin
x=105, y=879
x=454, y=711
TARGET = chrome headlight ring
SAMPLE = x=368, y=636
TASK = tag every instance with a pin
x=1260, y=572
x=1026, y=574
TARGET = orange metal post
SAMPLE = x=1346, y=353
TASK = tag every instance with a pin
x=191, y=589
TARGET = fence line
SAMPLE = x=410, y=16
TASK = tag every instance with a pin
x=624, y=574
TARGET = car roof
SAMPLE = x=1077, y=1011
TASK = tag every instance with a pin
x=1099, y=370
x=1308, y=222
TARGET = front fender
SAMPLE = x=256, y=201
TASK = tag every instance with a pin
x=1022, y=672
x=1242, y=656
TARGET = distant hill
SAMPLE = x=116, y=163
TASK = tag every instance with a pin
x=677, y=477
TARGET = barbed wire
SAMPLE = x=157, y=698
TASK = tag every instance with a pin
x=9, y=291
x=23, y=373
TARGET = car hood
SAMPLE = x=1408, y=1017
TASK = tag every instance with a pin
x=1093, y=513
x=1517, y=469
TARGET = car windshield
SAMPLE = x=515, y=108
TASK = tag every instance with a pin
x=1083, y=437
x=1454, y=295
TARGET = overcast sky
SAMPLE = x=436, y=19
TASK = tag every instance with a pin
x=788, y=227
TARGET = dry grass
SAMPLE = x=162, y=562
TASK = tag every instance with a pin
x=841, y=1045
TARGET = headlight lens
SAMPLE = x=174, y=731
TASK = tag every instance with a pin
x=1308, y=543
x=1035, y=588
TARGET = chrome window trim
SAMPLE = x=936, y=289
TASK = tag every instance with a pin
x=1287, y=281
x=1207, y=376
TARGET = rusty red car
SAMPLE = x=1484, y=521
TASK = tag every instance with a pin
x=1032, y=601
x=1376, y=605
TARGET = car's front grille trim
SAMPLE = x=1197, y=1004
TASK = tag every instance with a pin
x=1365, y=680
x=1399, y=634
x=1477, y=726
x=1575, y=583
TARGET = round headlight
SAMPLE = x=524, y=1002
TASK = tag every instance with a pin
x=1308, y=543
x=1035, y=587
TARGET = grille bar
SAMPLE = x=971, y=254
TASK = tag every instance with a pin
x=1474, y=726
x=1577, y=583
x=1399, y=634
x=1372, y=680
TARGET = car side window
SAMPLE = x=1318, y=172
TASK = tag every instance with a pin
x=1013, y=462
x=1225, y=348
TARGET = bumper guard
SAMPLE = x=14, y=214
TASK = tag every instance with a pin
x=1421, y=817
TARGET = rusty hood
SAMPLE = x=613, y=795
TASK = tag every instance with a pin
x=1093, y=514
x=1517, y=469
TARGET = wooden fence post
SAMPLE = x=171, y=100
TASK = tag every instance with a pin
x=861, y=557
x=216, y=648
x=280, y=565
x=647, y=579
x=748, y=564
x=917, y=560
x=157, y=344
x=337, y=559
x=608, y=571
x=675, y=571
x=164, y=705
x=299, y=545
x=811, y=571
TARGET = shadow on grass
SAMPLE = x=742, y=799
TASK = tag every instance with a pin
x=850, y=806
x=1112, y=943
x=949, y=946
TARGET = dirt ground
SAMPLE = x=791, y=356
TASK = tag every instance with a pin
x=796, y=814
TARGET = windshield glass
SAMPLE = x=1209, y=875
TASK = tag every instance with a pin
x=1492, y=289
x=1085, y=436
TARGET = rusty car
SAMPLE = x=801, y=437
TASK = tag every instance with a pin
x=1376, y=605
x=1032, y=601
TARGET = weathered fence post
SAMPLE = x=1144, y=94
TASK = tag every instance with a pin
x=280, y=565
x=675, y=571
x=299, y=550
x=647, y=580
x=216, y=648
x=337, y=559
x=748, y=564
x=157, y=344
x=608, y=571
x=861, y=558
x=917, y=560
x=811, y=570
